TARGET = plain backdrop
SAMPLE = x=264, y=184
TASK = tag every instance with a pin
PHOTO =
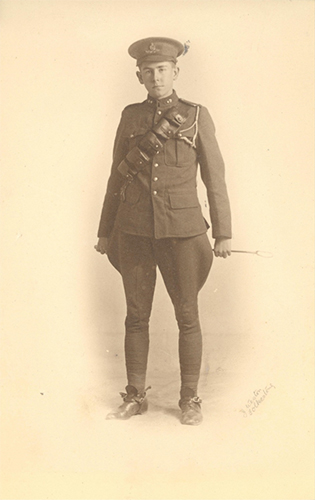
x=65, y=78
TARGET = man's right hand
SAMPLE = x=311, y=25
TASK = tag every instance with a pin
x=102, y=245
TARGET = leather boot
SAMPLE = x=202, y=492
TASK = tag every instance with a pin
x=191, y=409
x=134, y=404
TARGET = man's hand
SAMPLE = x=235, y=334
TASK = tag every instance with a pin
x=222, y=247
x=102, y=245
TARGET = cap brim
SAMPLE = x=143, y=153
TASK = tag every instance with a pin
x=156, y=58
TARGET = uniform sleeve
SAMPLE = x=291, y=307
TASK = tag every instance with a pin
x=212, y=173
x=112, y=200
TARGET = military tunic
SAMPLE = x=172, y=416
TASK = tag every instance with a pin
x=159, y=223
x=162, y=201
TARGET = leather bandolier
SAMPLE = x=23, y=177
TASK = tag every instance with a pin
x=151, y=144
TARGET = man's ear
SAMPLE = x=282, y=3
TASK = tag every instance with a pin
x=138, y=73
x=176, y=72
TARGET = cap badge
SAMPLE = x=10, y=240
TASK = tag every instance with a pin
x=152, y=49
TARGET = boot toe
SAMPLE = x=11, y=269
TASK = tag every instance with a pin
x=134, y=404
x=112, y=416
x=125, y=411
x=191, y=411
x=191, y=417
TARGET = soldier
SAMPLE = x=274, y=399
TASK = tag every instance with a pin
x=152, y=217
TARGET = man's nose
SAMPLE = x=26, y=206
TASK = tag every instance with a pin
x=156, y=75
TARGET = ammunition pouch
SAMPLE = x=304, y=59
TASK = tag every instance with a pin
x=135, y=161
x=151, y=143
x=169, y=124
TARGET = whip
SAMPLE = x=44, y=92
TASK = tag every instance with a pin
x=260, y=253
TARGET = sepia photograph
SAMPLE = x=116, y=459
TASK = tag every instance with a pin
x=157, y=250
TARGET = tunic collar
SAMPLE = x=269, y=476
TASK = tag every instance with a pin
x=165, y=102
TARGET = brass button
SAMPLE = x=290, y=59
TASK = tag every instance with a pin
x=156, y=164
x=156, y=179
x=159, y=112
x=155, y=193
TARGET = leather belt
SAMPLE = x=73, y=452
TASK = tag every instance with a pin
x=151, y=143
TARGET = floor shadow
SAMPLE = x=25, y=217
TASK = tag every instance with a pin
x=164, y=410
x=173, y=412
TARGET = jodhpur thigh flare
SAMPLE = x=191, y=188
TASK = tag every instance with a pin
x=185, y=264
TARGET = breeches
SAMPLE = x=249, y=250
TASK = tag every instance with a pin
x=184, y=264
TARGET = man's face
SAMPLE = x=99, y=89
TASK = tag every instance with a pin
x=158, y=78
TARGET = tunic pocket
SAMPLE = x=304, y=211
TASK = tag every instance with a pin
x=179, y=152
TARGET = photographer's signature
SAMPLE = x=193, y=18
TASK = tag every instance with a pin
x=258, y=397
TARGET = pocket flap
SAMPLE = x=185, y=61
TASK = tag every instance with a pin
x=184, y=200
x=186, y=134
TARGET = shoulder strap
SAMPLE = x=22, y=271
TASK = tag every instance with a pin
x=189, y=103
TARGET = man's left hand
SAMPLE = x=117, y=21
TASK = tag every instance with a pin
x=222, y=247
